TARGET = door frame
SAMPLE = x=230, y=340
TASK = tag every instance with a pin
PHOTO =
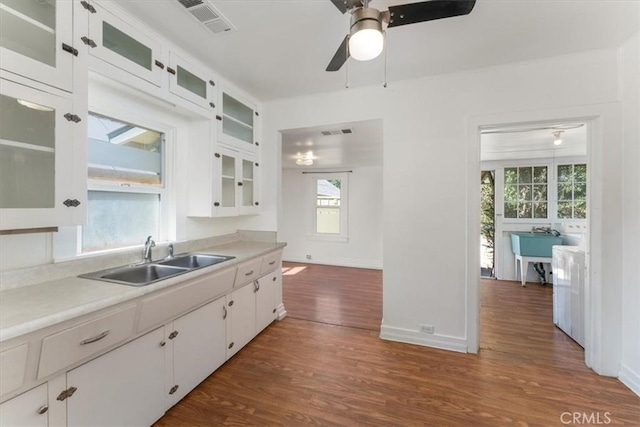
x=603, y=321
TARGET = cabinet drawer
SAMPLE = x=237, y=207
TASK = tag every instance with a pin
x=248, y=271
x=161, y=308
x=13, y=364
x=72, y=345
x=270, y=262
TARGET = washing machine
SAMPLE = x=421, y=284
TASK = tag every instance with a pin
x=569, y=269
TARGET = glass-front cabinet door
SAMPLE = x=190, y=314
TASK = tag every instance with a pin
x=124, y=46
x=239, y=120
x=225, y=176
x=248, y=184
x=36, y=155
x=191, y=82
x=32, y=35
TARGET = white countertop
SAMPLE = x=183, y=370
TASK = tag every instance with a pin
x=30, y=308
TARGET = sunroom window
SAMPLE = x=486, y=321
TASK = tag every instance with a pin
x=572, y=191
x=526, y=192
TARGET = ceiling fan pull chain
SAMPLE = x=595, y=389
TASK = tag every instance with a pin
x=385, y=59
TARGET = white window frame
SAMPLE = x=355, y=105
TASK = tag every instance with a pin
x=343, y=236
x=573, y=200
x=166, y=226
x=550, y=202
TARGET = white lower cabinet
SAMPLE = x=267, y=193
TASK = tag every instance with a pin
x=197, y=341
x=241, y=320
x=30, y=409
x=124, y=387
x=266, y=299
x=251, y=309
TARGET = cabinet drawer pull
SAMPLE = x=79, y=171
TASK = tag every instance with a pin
x=173, y=334
x=272, y=262
x=249, y=273
x=43, y=409
x=159, y=64
x=230, y=346
x=224, y=310
x=171, y=71
x=96, y=338
x=256, y=286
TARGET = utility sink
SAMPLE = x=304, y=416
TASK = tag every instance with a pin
x=146, y=274
x=534, y=244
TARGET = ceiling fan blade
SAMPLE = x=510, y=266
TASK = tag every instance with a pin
x=341, y=56
x=344, y=5
x=412, y=13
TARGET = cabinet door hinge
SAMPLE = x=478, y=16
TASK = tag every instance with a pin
x=219, y=118
x=86, y=40
x=173, y=334
x=212, y=105
x=173, y=389
x=66, y=393
x=71, y=203
x=72, y=117
x=87, y=6
x=72, y=50
x=171, y=71
x=159, y=64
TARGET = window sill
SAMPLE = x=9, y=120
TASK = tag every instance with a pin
x=328, y=238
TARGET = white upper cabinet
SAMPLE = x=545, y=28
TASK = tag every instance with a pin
x=33, y=37
x=191, y=82
x=127, y=47
x=248, y=181
x=37, y=163
x=239, y=122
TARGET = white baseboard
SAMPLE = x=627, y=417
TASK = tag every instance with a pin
x=281, y=312
x=630, y=378
x=340, y=262
x=410, y=336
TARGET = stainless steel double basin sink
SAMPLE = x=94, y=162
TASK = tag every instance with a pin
x=148, y=273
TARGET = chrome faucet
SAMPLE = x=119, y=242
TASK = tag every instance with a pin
x=147, y=249
x=170, y=251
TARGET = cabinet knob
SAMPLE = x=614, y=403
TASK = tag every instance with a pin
x=240, y=184
x=274, y=311
x=43, y=409
x=257, y=144
x=217, y=155
x=257, y=203
x=257, y=113
x=212, y=83
x=230, y=303
x=212, y=105
x=163, y=343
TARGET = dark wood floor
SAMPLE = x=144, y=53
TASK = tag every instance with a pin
x=300, y=372
x=336, y=295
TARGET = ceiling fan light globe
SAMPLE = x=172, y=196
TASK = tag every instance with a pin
x=366, y=44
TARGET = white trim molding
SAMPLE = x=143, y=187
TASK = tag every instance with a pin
x=409, y=336
x=281, y=313
x=630, y=378
x=340, y=262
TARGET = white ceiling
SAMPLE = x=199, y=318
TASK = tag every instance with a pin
x=533, y=144
x=282, y=47
x=361, y=148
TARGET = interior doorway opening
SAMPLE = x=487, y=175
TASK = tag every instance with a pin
x=535, y=179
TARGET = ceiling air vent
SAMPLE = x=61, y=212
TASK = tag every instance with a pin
x=207, y=15
x=336, y=132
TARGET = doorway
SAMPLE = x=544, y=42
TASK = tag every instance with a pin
x=533, y=186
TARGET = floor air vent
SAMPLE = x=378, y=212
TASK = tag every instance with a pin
x=208, y=15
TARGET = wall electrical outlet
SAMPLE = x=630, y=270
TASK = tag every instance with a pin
x=427, y=329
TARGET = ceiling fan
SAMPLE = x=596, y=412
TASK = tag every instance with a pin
x=365, y=40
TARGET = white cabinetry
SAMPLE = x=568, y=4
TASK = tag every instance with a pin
x=233, y=188
x=241, y=320
x=239, y=122
x=42, y=177
x=30, y=409
x=127, y=47
x=266, y=292
x=197, y=342
x=191, y=82
x=125, y=387
x=33, y=39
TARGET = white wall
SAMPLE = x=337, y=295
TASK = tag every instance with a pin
x=364, y=247
x=425, y=181
x=630, y=96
